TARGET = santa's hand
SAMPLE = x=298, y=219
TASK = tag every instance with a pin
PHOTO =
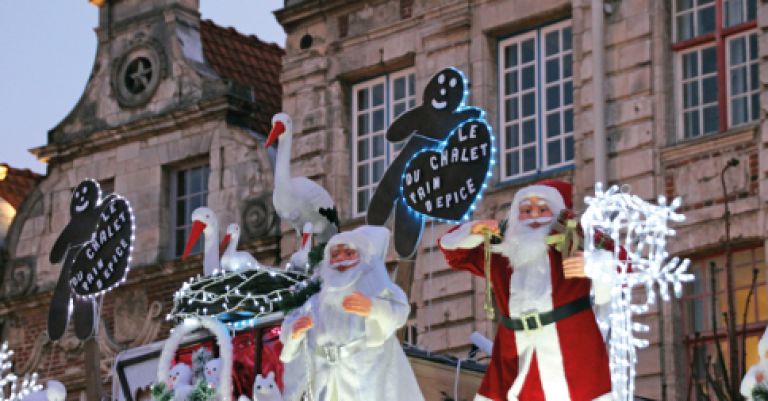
x=573, y=267
x=358, y=304
x=479, y=227
x=300, y=326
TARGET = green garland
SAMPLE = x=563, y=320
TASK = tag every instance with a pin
x=199, y=358
x=201, y=392
x=760, y=392
x=316, y=255
x=161, y=393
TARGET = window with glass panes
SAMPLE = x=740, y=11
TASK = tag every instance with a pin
x=375, y=104
x=189, y=190
x=715, y=43
x=536, y=94
x=698, y=312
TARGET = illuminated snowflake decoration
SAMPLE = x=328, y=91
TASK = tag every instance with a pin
x=641, y=229
x=18, y=389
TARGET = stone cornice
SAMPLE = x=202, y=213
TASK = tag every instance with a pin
x=133, y=131
x=453, y=16
x=708, y=144
x=165, y=271
x=307, y=9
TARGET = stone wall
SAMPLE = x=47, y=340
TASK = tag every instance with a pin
x=240, y=169
x=354, y=41
x=135, y=149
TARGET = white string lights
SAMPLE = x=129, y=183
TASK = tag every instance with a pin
x=240, y=297
x=641, y=229
x=18, y=389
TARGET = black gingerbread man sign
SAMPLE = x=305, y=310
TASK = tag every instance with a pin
x=442, y=168
x=95, y=249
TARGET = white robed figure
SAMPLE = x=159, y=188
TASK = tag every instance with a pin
x=340, y=345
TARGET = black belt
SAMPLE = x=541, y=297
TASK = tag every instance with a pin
x=535, y=321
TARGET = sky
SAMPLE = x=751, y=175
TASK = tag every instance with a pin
x=47, y=49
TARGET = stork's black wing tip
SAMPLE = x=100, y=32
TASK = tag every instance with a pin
x=332, y=215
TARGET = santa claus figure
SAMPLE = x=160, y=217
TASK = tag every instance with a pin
x=340, y=345
x=547, y=345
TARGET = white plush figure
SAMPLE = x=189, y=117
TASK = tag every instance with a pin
x=213, y=372
x=55, y=391
x=758, y=373
x=180, y=381
x=265, y=388
x=762, y=346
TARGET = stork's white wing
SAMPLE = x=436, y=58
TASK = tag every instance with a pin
x=310, y=192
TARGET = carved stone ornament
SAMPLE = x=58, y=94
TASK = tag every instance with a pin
x=137, y=73
x=18, y=278
x=259, y=219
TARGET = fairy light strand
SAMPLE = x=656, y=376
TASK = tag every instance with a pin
x=18, y=389
x=243, y=296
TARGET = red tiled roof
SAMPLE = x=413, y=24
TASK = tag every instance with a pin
x=17, y=184
x=248, y=61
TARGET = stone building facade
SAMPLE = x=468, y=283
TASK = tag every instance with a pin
x=174, y=116
x=684, y=93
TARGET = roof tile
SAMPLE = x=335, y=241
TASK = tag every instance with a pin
x=248, y=61
x=17, y=184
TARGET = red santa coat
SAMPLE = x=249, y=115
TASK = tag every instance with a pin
x=584, y=356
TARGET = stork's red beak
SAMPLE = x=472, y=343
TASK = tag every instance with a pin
x=277, y=130
x=224, y=243
x=304, y=239
x=194, y=234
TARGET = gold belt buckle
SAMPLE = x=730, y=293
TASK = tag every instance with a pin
x=536, y=318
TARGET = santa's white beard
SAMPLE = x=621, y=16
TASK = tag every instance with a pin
x=527, y=250
x=334, y=279
x=523, y=244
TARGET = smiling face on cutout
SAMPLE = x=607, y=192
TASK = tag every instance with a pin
x=445, y=91
x=84, y=197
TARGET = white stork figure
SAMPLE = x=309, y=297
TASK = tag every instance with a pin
x=232, y=259
x=299, y=200
x=205, y=222
x=300, y=259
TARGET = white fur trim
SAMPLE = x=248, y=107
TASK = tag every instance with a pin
x=479, y=397
x=56, y=391
x=369, y=241
x=546, y=344
x=462, y=237
x=225, y=351
x=550, y=194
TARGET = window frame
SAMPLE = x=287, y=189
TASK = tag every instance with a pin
x=561, y=109
x=680, y=92
x=173, y=199
x=748, y=63
x=390, y=151
x=720, y=38
x=541, y=164
x=404, y=73
x=706, y=338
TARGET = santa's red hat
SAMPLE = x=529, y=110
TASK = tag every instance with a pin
x=557, y=194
